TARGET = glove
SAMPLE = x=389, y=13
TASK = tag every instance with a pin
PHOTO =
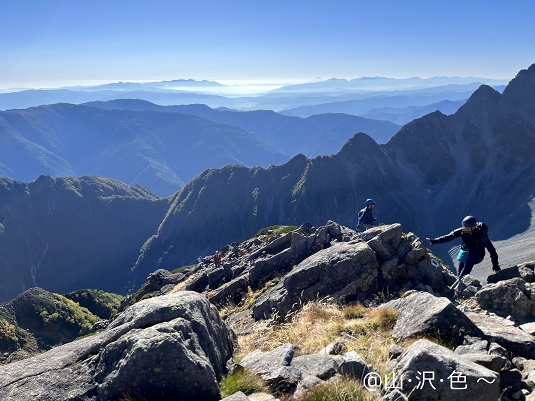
x=496, y=267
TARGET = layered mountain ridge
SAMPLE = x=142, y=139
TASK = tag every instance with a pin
x=158, y=150
x=432, y=173
x=159, y=147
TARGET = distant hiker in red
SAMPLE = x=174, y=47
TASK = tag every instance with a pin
x=365, y=216
x=217, y=259
x=475, y=240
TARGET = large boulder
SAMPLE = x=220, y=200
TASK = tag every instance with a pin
x=508, y=298
x=322, y=366
x=345, y=271
x=431, y=372
x=290, y=249
x=156, y=349
x=424, y=314
x=379, y=259
x=265, y=364
x=504, y=333
x=524, y=271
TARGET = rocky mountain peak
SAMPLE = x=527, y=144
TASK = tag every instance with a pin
x=358, y=147
x=519, y=95
x=482, y=103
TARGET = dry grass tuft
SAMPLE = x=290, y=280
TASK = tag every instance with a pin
x=243, y=381
x=312, y=328
x=180, y=285
x=385, y=317
x=320, y=323
x=341, y=390
x=354, y=312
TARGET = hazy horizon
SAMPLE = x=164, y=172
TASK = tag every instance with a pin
x=60, y=42
x=230, y=87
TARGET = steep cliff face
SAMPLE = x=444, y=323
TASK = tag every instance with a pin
x=69, y=233
x=233, y=203
x=478, y=161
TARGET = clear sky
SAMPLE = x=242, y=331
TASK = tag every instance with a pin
x=56, y=42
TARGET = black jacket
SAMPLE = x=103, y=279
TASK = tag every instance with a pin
x=365, y=216
x=474, y=242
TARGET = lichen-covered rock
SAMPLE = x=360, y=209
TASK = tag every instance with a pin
x=431, y=372
x=149, y=350
x=343, y=271
x=508, y=298
x=424, y=314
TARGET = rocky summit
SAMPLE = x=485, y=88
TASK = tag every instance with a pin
x=175, y=339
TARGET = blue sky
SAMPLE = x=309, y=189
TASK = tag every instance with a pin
x=46, y=43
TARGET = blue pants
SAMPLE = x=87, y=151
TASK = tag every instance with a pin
x=466, y=266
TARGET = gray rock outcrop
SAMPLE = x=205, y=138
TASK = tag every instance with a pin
x=380, y=259
x=523, y=270
x=512, y=297
x=424, y=314
x=431, y=372
x=342, y=270
x=264, y=364
x=182, y=332
x=289, y=376
x=503, y=332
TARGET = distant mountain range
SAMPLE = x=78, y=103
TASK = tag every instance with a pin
x=361, y=107
x=404, y=115
x=159, y=147
x=157, y=85
x=312, y=136
x=432, y=173
x=290, y=97
x=68, y=233
x=375, y=84
x=160, y=151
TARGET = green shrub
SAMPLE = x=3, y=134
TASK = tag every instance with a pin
x=354, y=312
x=100, y=303
x=342, y=390
x=181, y=269
x=242, y=381
x=387, y=318
x=277, y=230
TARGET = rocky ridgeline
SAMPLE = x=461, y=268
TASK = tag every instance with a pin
x=174, y=344
x=309, y=264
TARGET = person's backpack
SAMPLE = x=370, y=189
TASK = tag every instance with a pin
x=482, y=227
